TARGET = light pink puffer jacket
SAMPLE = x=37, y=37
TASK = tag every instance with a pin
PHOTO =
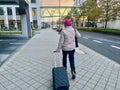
x=67, y=39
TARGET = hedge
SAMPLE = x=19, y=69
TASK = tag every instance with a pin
x=101, y=30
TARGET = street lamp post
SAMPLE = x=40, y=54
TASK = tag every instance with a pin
x=59, y=8
x=52, y=12
x=59, y=14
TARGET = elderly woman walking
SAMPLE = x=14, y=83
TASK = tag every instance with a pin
x=67, y=44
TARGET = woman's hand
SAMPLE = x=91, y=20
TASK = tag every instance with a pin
x=56, y=51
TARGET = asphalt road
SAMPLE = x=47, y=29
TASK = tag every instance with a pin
x=107, y=45
x=9, y=46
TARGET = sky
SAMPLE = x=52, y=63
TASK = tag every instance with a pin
x=56, y=2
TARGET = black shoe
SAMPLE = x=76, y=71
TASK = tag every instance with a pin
x=73, y=75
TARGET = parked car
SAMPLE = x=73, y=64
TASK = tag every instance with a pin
x=54, y=27
x=60, y=28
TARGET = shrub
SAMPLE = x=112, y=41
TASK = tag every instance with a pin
x=101, y=30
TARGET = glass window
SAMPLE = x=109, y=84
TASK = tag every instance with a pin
x=34, y=12
x=1, y=11
x=33, y=1
x=17, y=11
x=9, y=11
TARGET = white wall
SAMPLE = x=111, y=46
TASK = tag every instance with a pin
x=112, y=24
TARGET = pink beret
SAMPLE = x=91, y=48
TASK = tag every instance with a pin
x=68, y=22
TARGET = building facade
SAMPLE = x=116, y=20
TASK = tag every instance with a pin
x=78, y=2
x=10, y=18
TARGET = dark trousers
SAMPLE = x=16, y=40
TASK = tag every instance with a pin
x=71, y=59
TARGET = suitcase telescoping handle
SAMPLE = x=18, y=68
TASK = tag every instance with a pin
x=56, y=57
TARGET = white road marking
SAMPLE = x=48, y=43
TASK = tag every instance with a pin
x=10, y=40
x=97, y=41
x=11, y=48
x=16, y=43
x=85, y=37
x=115, y=46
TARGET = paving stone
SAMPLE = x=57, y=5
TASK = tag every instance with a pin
x=75, y=88
x=87, y=88
x=30, y=88
x=91, y=85
x=109, y=88
x=31, y=67
x=42, y=88
x=11, y=87
x=2, y=88
x=36, y=85
x=99, y=88
x=24, y=85
x=20, y=82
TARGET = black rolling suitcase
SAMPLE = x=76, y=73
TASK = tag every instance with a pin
x=60, y=78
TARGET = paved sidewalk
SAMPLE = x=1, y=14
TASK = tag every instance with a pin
x=31, y=67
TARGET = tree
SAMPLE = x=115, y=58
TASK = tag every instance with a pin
x=116, y=7
x=110, y=10
x=91, y=10
x=74, y=15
